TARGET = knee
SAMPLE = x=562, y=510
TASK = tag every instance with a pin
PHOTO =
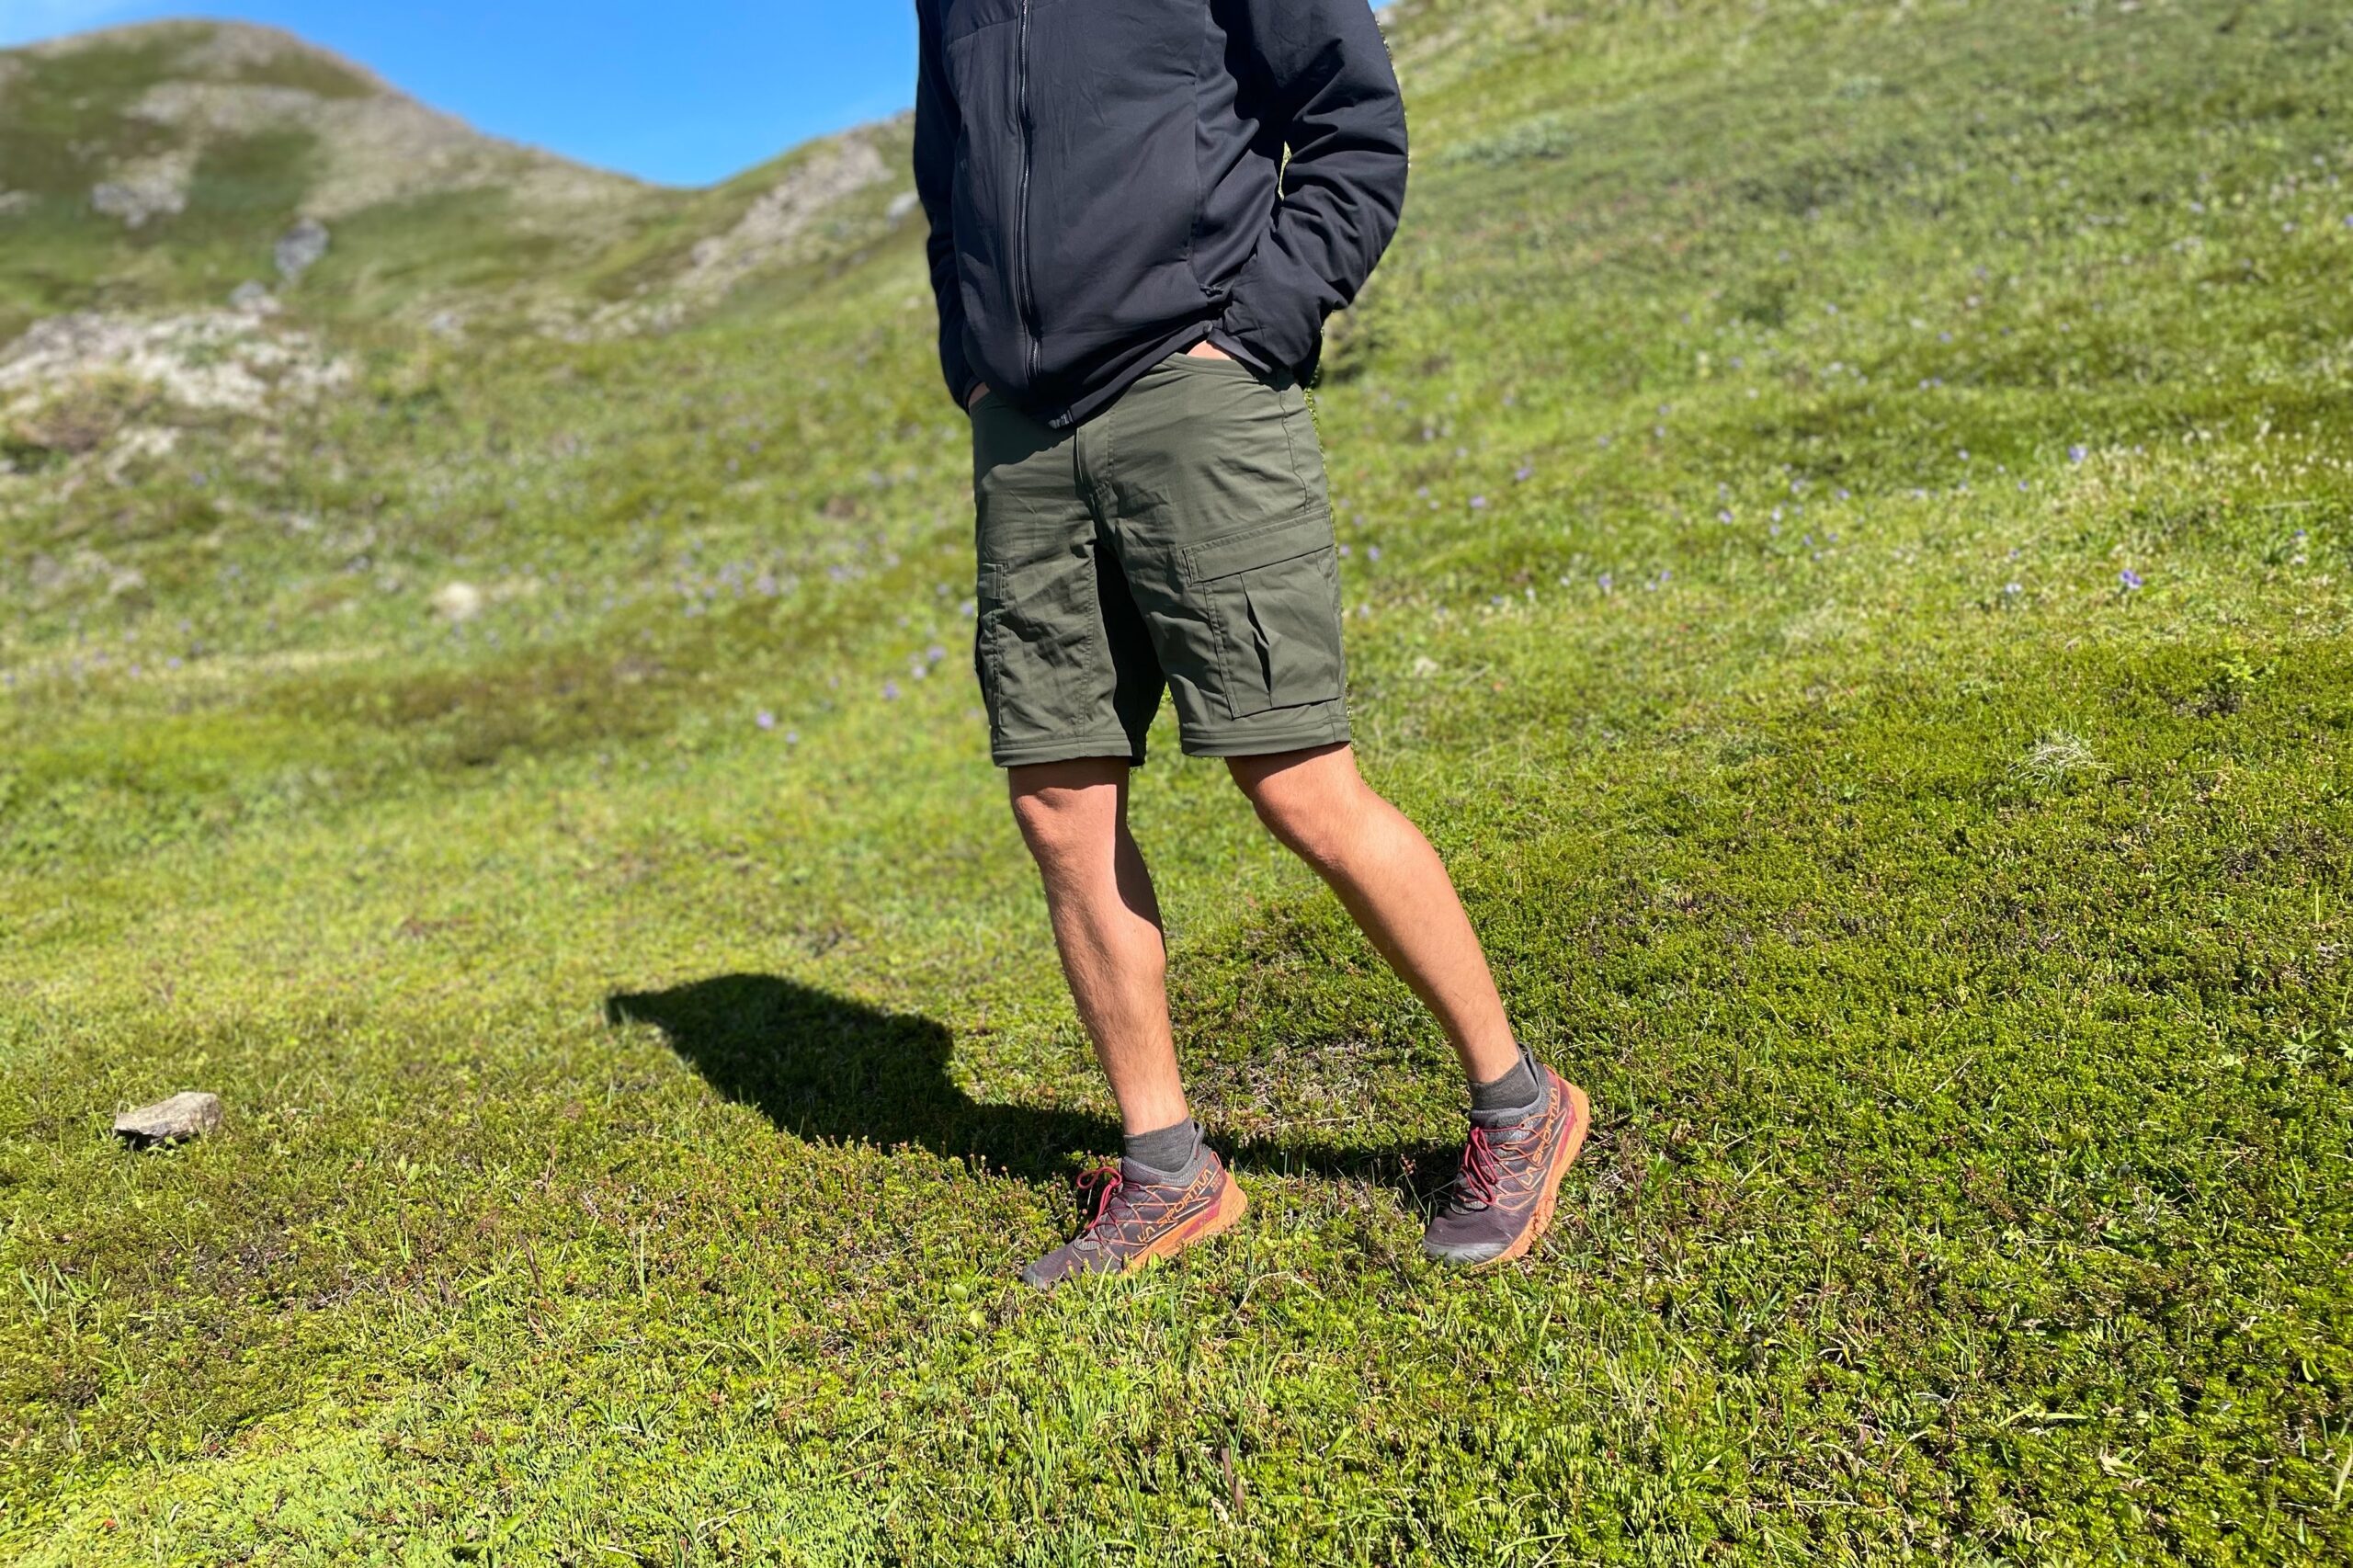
x=1312, y=820
x=1053, y=824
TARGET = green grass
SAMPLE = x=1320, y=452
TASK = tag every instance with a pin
x=637, y=1115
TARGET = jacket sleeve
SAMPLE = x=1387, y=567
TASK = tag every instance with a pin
x=937, y=126
x=1320, y=70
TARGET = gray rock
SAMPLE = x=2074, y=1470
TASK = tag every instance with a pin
x=301, y=248
x=169, y=1122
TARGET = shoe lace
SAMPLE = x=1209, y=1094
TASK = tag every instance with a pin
x=1479, y=1178
x=1103, y=1185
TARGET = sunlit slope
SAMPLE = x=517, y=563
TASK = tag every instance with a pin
x=1846, y=520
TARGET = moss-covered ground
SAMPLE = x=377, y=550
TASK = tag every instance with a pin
x=1849, y=510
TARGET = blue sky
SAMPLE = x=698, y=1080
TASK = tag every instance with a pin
x=686, y=93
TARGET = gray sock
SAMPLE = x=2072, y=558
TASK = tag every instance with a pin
x=1169, y=1152
x=1508, y=1098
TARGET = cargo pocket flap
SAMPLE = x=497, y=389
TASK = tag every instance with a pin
x=1258, y=547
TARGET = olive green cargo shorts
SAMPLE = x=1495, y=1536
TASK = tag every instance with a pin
x=1181, y=538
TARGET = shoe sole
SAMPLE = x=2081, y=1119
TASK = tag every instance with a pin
x=1572, y=1144
x=1223, y=1215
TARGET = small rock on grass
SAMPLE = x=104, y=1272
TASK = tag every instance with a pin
x=457, y=602
x=169, y=1122
x=301, y=248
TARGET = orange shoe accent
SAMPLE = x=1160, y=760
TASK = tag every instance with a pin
x=1565, y=1154
x=1221, y=1216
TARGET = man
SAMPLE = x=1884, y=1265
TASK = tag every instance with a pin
x=1133, y=284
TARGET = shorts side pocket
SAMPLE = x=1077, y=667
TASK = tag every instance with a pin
x=984, y=661
x=1272, y=596
x=1033, y=645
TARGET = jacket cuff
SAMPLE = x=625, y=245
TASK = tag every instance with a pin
x=1273, y=344
x=1234, y=347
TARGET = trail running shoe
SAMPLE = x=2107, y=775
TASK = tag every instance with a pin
x=1139, y=1215
x=1501, y=1199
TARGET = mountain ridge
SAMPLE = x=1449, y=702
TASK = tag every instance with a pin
x=156, y=166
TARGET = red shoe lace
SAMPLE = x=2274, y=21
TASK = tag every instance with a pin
x=1481, y=1174
x=1104, y=1182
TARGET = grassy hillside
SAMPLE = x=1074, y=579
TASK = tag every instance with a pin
x=1849, y=509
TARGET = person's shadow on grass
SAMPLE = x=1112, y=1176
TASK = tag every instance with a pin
x=824, y=1067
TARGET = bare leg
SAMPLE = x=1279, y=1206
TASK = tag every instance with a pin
x=1393, y=883
x=1107, y=925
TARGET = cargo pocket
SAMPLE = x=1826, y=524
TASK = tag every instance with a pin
x=1273, y=600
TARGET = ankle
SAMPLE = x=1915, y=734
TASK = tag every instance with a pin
x=1508, y=1095
x=1167, y=1151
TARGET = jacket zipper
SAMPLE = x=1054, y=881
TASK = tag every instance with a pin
x=1027, y=303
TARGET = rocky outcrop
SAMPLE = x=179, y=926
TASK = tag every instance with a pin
x=147, y=189
x=230, y=361
x=771, y=229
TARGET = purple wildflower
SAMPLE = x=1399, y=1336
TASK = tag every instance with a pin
x=1373, y=553
x=767, y=721
x=2077, y=454
x=2129, y=578
x=1478, y=503
x=889, y=692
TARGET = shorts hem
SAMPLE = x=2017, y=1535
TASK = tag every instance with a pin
x=1078, y=748
x=1267, y=745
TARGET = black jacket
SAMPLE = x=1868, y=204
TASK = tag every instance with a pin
x=1106, y=184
